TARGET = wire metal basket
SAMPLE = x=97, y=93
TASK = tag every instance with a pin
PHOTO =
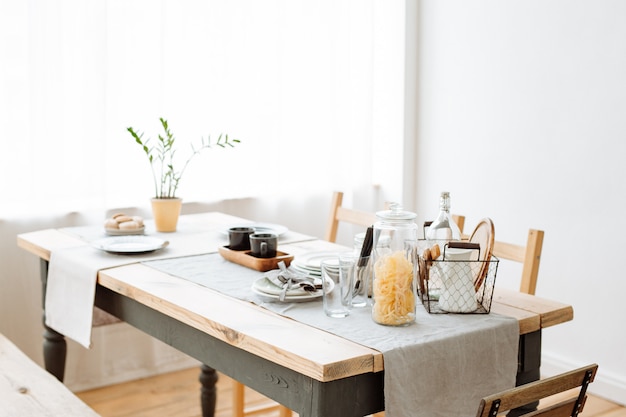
x=457, y=284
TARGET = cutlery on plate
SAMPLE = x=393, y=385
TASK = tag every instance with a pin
x=289, y=281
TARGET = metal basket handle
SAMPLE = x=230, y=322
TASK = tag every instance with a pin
x=457, y=244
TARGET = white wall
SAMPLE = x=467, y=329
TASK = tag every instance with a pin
x=522, y=117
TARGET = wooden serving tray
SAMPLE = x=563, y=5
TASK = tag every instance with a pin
x=245, y=258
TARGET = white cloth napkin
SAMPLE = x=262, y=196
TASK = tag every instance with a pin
x=73, y=272
x=71, y=289
x=299, y=284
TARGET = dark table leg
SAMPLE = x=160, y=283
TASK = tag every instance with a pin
x=528, y=367
x=208, y=392
x=54, y=344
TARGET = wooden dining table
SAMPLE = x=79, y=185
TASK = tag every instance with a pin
x=307, y=369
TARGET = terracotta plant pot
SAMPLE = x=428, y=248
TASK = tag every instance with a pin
x=166, y=212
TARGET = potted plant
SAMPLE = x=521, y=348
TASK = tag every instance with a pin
x=165, y=204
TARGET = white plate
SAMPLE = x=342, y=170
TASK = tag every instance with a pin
x=260, y=228
x=305, y=271
x=270, y=292
x=130, y=244
x=122, y=232
x=313, y=261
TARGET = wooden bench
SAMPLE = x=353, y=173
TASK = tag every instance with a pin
x=28, y=390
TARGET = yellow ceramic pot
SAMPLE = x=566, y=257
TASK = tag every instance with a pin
x=166, y=212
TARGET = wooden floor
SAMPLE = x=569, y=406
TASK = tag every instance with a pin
x=177, y=394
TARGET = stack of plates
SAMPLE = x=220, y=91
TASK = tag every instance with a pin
x=311, y=263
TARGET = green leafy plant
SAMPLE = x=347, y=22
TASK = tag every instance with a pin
x=161, y=157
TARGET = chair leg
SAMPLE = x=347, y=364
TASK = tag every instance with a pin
x=238, y=399
x=239, y=404
x=284, y=411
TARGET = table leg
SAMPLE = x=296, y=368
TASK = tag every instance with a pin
x=208, y=391
x=54, y=344
x=528, y=368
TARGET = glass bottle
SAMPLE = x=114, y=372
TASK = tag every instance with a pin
x=359, y=238
x=394, y=275
x=443, y=229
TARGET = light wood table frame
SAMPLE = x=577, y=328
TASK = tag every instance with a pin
x=306, y=369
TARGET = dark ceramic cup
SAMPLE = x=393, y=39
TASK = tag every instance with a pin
x=263, y=245
x=239, y=238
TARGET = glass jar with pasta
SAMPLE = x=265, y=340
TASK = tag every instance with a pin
x=394, y=295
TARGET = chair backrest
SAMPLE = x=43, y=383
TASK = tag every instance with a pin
x=528, y=255
x=338, y=213
x=532, y=392
x=459, y=220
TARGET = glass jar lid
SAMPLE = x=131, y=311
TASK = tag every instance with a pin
x=395, y=213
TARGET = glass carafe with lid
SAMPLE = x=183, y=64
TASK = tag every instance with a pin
x=394, y=294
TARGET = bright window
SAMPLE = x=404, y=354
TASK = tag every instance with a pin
x=301, y=83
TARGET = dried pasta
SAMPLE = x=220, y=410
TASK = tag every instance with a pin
x=394, y=299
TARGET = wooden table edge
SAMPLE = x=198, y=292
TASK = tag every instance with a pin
x=349, y=360
x=550, y=312
x=528, y=321
x=42, y=242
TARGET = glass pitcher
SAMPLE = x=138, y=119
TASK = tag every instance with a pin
x=394, y=295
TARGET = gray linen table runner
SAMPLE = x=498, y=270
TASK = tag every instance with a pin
x=438, y=367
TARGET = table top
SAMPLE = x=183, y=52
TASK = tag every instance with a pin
x=310, y=351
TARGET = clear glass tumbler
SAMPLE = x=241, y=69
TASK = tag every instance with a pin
x=337, y=287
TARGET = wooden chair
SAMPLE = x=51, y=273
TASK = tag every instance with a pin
x=338, y=213
x=459, y=220
x=528, y=255
x=541, y=391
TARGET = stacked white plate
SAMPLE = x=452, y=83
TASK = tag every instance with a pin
x=311, y=263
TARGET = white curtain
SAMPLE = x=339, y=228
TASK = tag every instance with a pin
x=294, y=80
x=313, y=89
